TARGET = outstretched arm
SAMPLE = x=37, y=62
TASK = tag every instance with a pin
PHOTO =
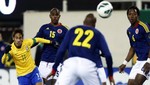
x=42, y=40
x=128, y=58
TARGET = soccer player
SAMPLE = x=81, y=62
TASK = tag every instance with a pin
x=54, y=31
x=20, y=51
x=81, y=41
x=139, y=37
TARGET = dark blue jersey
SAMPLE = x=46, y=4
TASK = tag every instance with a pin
x=54, y=33
x=139, y=37
x=2, y=49
x=83, y=41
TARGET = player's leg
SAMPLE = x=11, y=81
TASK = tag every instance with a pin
x=131, y=82
x=23, y=80
x=52, y=81
x=87, y=71
x=45, y=69
x=140, y=79
x=137, y=75
x=39, y=83
x=35, y=77
x=133, y=73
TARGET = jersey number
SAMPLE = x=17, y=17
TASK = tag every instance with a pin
x=23, y=57
x=85, y=43
x=52, y=34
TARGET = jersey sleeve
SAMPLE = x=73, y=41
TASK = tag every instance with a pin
x=147, y=34
x=31, y=42
x=131, y=44
x=40, y=32
x=106, y=53
x=61, y=51
x=145, y=31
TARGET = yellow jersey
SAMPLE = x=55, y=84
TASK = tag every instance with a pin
x=22, y=56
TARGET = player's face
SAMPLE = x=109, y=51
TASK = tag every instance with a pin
x=55, y=15
x=132, y=16
x=18, y=39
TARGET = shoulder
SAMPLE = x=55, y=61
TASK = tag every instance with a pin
x=65, y=26
x=27, y=40
x=46, y=25
x=144, y=26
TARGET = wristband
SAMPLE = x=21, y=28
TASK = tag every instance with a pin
x=148, y=60
x=125, y=62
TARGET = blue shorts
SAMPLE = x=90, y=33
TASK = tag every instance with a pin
x=31, y=78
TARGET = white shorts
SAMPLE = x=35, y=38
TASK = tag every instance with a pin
x=102, y=74
x=137, y=69
x=76, y=68
x=45, y=69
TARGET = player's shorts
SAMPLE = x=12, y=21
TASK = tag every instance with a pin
x=137, y=69
x=77, y=68
x=31, y=78
x=102, y=74
x=45, y=69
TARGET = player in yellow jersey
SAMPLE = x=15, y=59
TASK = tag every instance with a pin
x=20, y=51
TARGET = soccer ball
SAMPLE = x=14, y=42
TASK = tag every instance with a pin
x=104, y=9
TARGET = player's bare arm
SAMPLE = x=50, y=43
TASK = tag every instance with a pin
x=128, y=58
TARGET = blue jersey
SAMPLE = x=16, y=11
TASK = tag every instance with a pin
x=54, y=33
x=83, y=41
x=139, y=37
x=2, y=49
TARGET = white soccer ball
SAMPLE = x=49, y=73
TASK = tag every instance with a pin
x=104, y=9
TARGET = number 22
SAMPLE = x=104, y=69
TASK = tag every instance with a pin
x=80, y=32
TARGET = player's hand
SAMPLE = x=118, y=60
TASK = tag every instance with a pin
x=121, y=68
x=112, y=81
x=146, y=68
x=7, y=49
x=51, y=74
x=7, y=64
x=55, y=44
x=4, y=59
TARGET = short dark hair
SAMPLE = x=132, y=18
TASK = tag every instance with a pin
x=90, y=20
x=17, y=31
x=135, y=8
x=54, y=9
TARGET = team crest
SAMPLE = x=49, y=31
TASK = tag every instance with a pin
x=27, y=48
x=137, y=31
x=59, y=31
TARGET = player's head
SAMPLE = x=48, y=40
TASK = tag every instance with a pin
x=90, y=20
x=54, y=15
x=18, y=37
x=133, y=14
